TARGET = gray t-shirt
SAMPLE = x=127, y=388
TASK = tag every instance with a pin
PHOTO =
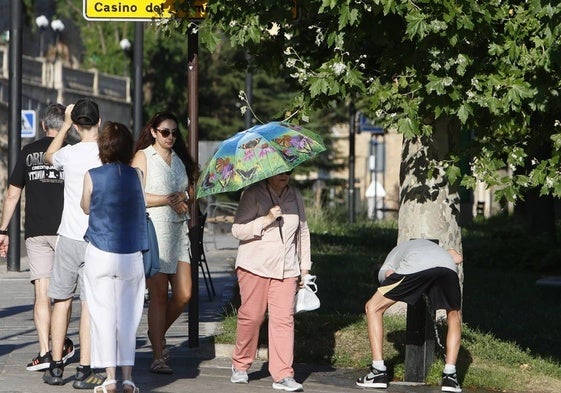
x=414, y=256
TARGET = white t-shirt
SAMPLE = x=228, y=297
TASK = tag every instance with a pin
x=414, y=256
x=75, y=160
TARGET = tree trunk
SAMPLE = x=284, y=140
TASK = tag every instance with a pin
x=429, y=209
x=429, y=206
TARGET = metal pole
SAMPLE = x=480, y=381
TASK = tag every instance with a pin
x=193, y=125
x=137, y=66
x=41, y=38
x=14, y=125
x=375, y=180
x=351, y=187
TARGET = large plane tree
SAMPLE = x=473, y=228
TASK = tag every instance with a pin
x=461, y=80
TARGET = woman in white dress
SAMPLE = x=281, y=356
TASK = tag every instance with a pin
x=169, y=174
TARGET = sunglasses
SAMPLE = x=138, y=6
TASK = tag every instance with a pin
x=287, y=173
x=166, y=132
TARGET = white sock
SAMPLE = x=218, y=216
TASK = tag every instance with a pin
x=379, y=365
x=449, y=369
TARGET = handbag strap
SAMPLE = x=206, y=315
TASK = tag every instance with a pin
x=139, y=173
x=297, y=235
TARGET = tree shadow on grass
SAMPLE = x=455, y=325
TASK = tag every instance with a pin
x=315, y=336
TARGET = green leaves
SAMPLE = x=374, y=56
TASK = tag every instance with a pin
x=416, y=25
x=319, y=86
x=517, y=91
x=408, y=127
x=465, y=112
x=453, y=173
x=438, y=84
x=209, y=38
x=492, y=67
x=347, y=16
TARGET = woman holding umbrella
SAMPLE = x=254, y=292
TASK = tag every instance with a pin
x=274, y=251
x=169, y=172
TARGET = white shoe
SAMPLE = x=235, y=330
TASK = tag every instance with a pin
x=239, y=376
x=288, y=384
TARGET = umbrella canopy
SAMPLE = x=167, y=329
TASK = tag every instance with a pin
x=256, y=154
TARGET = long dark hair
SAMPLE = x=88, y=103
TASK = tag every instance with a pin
x=179, y=147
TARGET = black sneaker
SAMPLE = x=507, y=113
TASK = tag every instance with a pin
x=67, y=350
x=81, y=373
x=40, y=362
x=53, y=376
x=374, y=379
x=450, y=383
x=87, y=379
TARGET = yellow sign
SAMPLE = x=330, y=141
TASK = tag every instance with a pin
x=137, y=10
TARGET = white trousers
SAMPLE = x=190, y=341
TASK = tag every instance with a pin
x=114, y=285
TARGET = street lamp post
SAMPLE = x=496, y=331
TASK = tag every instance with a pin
x=126, y=46
x=42, y=22
x=57, y=26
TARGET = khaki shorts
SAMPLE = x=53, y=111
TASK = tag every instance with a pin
x=41, y=254
x=68, y=269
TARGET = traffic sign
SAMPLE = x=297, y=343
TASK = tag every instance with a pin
x=138, y=10
x=365, y=125
x=28, y=123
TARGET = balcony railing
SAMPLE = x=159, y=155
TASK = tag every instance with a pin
x=39, y=71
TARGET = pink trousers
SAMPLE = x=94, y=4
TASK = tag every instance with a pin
x=259, y=294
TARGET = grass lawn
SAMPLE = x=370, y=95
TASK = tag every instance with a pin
x=511, y=339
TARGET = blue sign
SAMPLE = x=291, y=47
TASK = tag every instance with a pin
x=28, y=123
x=365, y=125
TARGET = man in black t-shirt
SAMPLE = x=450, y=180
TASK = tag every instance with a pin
x=44, y=198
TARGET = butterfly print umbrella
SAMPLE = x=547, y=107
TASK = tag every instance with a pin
x=256, y=154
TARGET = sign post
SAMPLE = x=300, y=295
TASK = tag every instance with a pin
x=196, y=232
x=365, y=125
x=14, y=123
x=138, y=10
x=148, y=11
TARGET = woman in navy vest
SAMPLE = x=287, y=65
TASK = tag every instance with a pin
x=114, y=272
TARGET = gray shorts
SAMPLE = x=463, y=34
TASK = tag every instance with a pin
x=68, y=269
x=41, y=254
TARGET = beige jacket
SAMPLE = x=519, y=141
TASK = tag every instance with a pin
x=263, y=250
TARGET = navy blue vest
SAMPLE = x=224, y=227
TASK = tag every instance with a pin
x=117, y=221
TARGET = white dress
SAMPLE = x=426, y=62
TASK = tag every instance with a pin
x=171, y=228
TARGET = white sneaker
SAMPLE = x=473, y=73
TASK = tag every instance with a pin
x=239, y=376
x=288, y=384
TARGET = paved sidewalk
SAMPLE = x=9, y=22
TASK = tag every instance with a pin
x=202, y=369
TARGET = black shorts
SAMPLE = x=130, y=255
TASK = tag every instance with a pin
x=440, y=284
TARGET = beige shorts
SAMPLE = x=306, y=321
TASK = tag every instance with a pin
x=41, y=254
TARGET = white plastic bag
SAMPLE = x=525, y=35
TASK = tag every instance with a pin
x=306, y=298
